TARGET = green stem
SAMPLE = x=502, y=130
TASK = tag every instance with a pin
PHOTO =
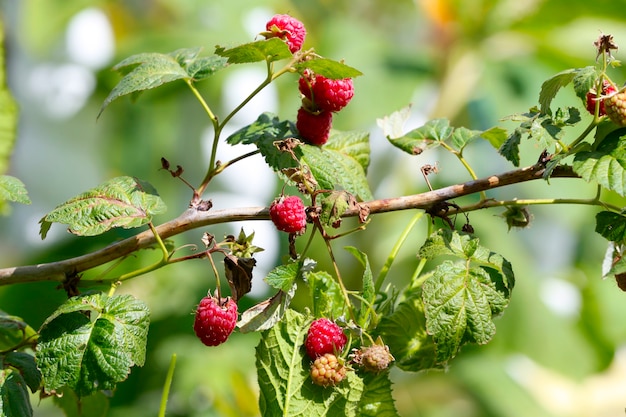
x=394, y=251
x=167, y=385
x=342, y=287
x=529, y=202
x=468, y=167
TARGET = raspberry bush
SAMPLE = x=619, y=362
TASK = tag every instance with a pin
x=331, y=354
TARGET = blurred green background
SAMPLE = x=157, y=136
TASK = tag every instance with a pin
x=559, y=349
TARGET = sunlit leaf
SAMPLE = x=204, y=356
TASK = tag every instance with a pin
x=368, y=292
x=267, y=313
x=121, y=202
x=585, y=79
x=270, y=50
x=12, y=189
x=354, y=144
x=328, y=68
x=326, y=295
x=427, y=136
x=496, y=136
x=551, y=87
x=607, y=164
x=90, y=342
x=377, y=400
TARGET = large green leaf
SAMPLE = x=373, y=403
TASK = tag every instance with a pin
x=121, y=202
x=354, y=144
x=607, y=164
x=460, y=302
x=283, y=376
x=25, y=364
x=551, y=87
x=326, y=295
x=336, y=170
x=377, y=400
x=90, y=342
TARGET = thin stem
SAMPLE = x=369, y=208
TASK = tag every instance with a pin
x=342, y=287
x=394, y=251
x=217, y=277
x=539, y=201
x=465, y=164
x=166, y=386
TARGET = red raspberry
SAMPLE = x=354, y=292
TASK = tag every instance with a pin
x=324, y=336
x=287, y=28
x=315, y=127
x=215, y=320
x=326, y=94
x=592, y=97
x=327, y=370
x=615, y=107
x=288, y=214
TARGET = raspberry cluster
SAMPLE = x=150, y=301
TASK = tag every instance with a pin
x=288, y=214
x=324, y=336
x=615, y=107
x=215, y=320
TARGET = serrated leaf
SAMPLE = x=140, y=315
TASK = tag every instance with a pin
x=427, y=136
x=333, y=206
x=326, y=295
x=90, y=342
x=584, y=80
x=461, y=136
x=14, y=331
x=205, y=67
x=283, y=276
x=404, y=332
x=270, y=50
x=153, y=71
x=333, y=70
x=551, y=87
x=120, y=202
x=459, y=303
x=284, y=381
x=606, y=165
x=263, y=132
x=612, y=226
x=353, y=144
x=266, y=314
x=368, y=291
x=510, y=148
x=12, y=189
x=25, y=364
x=14, y=397
x=335, y=170
x=496, y=136
x=377, y=400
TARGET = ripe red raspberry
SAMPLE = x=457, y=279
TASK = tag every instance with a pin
x=592, y=97
x=288, y=214
x=324, y=336
x=287, y=28
x=615, y=107
x=327, y=370
x=314, y=128
x=326, y=94
x=215, y=320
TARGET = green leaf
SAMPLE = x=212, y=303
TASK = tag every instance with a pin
x=93, y=405
x=90, y=342
x=497, y=136
x=353, y=144
x=333, y=169
x=154, y=70
x=551, y=87
x=612, y=226
x=333, y=206
x=266, y=314
x=12, y=189
x=25, y=364
x=459, y=302
x=585, y=79
x=510, y=148
x=368, y=292
x=462, y=136
x=328, y=68
x=283, y=376
x=263, y=132
x=325, y=295
x=283, y=276
x=270, y=50
x=8, y=113
x=14, y=331
x=377, y=400
x=427, y=136
x=14, y=397
x=404, y=332
x=204, y=67
x=121, y=202
x=606, y=165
